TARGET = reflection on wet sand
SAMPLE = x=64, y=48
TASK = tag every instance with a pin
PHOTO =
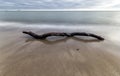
x=48, y=41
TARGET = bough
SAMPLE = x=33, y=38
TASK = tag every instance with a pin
x=44, y=36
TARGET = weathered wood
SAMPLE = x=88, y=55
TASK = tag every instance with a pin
x=44, y=36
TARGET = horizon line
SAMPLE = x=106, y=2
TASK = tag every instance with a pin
x=59, y=9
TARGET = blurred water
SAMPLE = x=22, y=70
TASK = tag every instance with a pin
x=62, y=17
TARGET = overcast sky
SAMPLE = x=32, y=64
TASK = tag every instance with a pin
x=59, y=4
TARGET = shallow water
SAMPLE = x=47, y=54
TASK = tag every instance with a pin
x=62, y=17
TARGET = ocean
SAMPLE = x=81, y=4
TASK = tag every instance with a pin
x=59, y=19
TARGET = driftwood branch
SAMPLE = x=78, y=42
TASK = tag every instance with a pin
x=44, y=36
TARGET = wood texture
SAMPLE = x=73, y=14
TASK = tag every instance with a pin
x=44, y=36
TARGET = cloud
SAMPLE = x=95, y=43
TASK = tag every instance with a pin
x=6, y=3
x=59, y=4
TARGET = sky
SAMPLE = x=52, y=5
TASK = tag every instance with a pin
x=59, y=4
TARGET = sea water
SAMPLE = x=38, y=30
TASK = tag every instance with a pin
x=59, y=18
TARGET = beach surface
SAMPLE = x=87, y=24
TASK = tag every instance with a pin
x=21, y=55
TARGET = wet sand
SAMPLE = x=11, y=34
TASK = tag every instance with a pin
x=21, y=55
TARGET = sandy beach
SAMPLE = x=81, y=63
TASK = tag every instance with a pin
x=21, y=55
